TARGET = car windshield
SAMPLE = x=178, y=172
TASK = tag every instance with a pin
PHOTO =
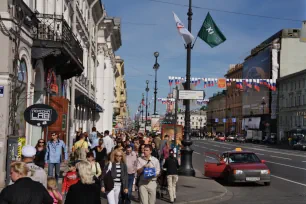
x=243, y=158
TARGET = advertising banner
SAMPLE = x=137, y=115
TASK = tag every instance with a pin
x=257, y=67
x=155, y=123
x=168, y=129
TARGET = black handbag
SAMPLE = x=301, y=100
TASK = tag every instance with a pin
x=108, y=181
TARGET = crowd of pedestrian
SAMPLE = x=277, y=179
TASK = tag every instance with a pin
x=113, y=165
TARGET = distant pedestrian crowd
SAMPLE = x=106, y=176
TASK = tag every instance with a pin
x=98, y=165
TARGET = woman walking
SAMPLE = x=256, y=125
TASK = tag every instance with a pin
x=40, y=153
x=85, y=191
x=100, y=154
x=95, y=167
x=117, y=167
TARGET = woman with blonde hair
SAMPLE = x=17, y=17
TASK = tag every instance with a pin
x=24, y=188
x=85, y=191
x=117, y=169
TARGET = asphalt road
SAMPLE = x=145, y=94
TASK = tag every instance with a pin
x=288, y=174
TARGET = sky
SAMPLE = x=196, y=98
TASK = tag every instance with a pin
x=148, y=26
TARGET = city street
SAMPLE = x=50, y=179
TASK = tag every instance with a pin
x=288, y=170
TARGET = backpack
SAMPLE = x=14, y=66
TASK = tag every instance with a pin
x=80, y=153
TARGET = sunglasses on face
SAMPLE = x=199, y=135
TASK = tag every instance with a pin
x=41, y=142
x=118, y=155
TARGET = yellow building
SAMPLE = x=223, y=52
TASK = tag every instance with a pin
x=120, y=95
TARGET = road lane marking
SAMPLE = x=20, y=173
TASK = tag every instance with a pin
x=263, y=150
x=286, y=165
x=196, y=152
x=303, y=161
x=259, y=153
x=280, y=157
x=227, y=147
x=288, y=180
x=215, y=150
x=211, y=157
x=196, y=145
x=216, y=145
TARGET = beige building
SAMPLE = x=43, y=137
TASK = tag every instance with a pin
x=120, y=94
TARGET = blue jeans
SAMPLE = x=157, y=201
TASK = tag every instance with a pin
x=51, y=166
x=130, y=184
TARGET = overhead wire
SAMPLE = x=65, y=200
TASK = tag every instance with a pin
x=226, y=11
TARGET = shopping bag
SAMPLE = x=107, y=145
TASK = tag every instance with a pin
x=149, y=173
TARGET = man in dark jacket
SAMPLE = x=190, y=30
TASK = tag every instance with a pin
x=24, y=190
x=171, y=164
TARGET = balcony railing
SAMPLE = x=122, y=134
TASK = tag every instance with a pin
x=55, y=28
x=83, y=81
x=83, y=20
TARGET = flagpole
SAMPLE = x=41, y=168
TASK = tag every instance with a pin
x=186, y=167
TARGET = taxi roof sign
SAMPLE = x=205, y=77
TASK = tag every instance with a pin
x=238, y=149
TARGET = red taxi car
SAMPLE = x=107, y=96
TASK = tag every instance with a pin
x=238, y=166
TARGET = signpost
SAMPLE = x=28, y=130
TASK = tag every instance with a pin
x=191, y=95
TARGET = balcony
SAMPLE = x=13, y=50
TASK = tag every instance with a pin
x=55, y=41
x=83, y=81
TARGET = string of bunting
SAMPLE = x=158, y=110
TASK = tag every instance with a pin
x=223, y=83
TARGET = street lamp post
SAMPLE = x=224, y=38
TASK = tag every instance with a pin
x=142, y=109
x=155, y=67
x=147, y=90
x=263, y=103
x=186, y=167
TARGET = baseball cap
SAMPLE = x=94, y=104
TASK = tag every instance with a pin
x=28, y=151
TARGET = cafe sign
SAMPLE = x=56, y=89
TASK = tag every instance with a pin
x=40, y=115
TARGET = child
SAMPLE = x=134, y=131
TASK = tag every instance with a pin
x=70, y=178
x=52, y=189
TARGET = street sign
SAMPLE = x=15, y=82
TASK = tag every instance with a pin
x=1, y=91
x=191, y=95
x=303, y=32
x=40, y=115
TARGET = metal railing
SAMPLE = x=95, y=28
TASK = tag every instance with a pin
x=55, y=28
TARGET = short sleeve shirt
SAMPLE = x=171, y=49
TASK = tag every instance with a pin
x=154, y=163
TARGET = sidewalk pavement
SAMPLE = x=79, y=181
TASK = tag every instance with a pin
x=197, y=189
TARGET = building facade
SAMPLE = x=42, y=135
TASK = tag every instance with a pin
x=291, y=104
x=198, y=119
x=59, y=53
x=216, y=113
x=234, y=101
x=120, y=105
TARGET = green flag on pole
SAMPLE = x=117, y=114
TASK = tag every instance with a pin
x=210, y=32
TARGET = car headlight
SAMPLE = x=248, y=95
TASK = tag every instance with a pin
x=265, y=171
x=238, y=172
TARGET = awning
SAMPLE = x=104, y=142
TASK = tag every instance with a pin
x=86, y=101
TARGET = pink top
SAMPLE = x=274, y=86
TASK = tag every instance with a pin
x=55, y=201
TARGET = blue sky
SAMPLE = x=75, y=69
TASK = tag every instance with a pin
x=149, y=26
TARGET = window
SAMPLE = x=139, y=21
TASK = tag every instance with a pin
x=304, y=121
x=280, y=120
x=192, y=123
x=298, y=100
x=181, y=117
x=22, y=71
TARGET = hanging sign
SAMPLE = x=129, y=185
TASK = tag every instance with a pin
x=40, y=115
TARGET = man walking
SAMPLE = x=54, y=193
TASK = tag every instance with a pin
x=53, y=155
x=36, y=173
x=171, y=164
x=131, y=162
x=147, y=183
x=108, y=142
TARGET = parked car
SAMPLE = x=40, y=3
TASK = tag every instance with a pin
x=221, y=138
x=240, y=138
x=230, y=138
x=300, y=145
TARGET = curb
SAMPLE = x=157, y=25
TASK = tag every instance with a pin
x=206, y=199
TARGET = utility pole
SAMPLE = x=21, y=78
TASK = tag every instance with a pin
x=175, y=112
x=186, y=167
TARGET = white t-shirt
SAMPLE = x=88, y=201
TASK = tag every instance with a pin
x=108, y=143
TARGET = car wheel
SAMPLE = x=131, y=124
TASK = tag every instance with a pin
x=267, y=183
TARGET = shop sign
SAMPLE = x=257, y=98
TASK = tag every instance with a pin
x=40, y=115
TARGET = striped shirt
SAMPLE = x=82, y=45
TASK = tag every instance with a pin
x=118, y=170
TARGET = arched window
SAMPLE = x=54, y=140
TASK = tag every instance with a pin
x=22, y=71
